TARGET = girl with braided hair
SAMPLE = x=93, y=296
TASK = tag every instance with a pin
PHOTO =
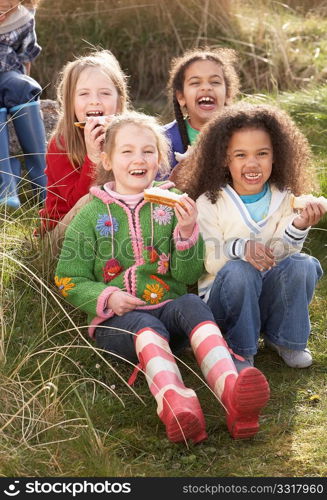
x=201, y=83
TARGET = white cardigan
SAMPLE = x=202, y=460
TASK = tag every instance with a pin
x=227, y=225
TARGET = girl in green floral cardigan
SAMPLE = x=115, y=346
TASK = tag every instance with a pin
x=127, y=263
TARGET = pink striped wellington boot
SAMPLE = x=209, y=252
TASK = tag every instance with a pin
x=243, y=395
x=178, y=407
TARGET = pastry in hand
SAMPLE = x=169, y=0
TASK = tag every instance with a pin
x=300, y=202
x=163, y=196
x=101, y=120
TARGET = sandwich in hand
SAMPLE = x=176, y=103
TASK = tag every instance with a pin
x=163, y=196
x=101, y=120
x=300, y=202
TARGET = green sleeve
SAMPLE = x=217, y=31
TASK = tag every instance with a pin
x=75, y=270
x=188, y=258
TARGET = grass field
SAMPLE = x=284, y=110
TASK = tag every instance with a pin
x=65, y=408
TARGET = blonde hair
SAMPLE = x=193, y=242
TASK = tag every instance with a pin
x=67, y=136
x=140, y=120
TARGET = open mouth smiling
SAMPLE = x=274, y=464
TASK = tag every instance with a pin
x=138, y=172
x=252, y=176
x=206, y=100
x=94, y=113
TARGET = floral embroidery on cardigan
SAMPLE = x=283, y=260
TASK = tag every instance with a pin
x=162, y=215
x=64, y=285
x=107, y=225
x=163, y=264
x=153, y=293
x=152, y=254
x=162, y=282
x=111, y=270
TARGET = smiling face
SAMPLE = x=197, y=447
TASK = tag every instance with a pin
x=134, y=160
x=250, y=158
x=95, y=95
x=204, y=91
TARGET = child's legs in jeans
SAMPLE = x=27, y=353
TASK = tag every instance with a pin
x=177, y=406
x=16, y=88
x=245, y=301
x=234, y=301
x=182, y=315
x=287, y=292
x=116, y=334
x=174, y=321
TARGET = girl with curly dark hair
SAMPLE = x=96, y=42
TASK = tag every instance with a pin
x=253, y=160
x=201, y=82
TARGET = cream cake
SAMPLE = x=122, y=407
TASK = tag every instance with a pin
x=300, y=202
x=163, y=196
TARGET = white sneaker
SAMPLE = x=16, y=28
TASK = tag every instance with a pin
x=294, y=359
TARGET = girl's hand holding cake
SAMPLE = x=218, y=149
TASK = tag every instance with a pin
x=94, y=134
x=186, y=214
x=309, y=216
x=312, y=210
x=184, y=206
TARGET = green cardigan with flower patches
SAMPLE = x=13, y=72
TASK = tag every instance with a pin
x=109, y=246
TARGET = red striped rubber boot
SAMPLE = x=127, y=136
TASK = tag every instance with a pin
x=243, y=395
x=178, y=407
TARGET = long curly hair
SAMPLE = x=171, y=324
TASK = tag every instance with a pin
x=206, y=170
x=226, y=58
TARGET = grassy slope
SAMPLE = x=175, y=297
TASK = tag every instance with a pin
x=63, y=410
x=56, y=389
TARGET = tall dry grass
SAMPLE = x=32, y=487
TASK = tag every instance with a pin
x=42, y=380
x=65, y=409
x=62, y=407
x=279, y=46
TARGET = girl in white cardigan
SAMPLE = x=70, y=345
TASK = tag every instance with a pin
x=257, y=280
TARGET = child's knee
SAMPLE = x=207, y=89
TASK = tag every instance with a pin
x=237, y=274
x=191, y=303
x=305, y=268
x=21, y=89
x=148, y=322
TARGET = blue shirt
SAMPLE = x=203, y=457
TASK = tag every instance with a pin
x=258, y=204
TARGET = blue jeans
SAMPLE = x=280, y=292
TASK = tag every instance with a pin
x=17, y=88
x=174, y=321
x=245, y=302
